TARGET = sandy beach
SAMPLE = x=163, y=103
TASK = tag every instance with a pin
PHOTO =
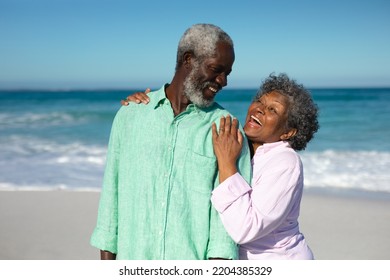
x=56, y=225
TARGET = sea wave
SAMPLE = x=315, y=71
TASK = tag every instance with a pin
x=29, y=162
x=18, y=146
x=37, y=163
x=363, y=170
x=11, y=120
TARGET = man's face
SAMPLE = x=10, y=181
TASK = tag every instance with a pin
x=209, y=76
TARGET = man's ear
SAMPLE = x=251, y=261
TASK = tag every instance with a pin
x=187, y=59
x=288, y=134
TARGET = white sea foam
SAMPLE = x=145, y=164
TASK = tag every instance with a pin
x=34, y=162
x=42, y=187
x=365, y=170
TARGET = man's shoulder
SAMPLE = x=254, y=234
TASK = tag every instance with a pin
x=216, y=111
x=133, y=107
x=218, y=106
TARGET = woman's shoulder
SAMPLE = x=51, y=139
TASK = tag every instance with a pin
x=283, y=155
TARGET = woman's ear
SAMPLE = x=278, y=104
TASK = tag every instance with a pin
x=288, y=134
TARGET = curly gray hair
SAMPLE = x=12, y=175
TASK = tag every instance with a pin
x=201, y=40
x=302, y=111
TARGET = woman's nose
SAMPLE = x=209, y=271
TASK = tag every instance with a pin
x=260, y=108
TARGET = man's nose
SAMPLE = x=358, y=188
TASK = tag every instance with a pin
x=222, y=79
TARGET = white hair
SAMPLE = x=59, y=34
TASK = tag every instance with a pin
x=201, y=40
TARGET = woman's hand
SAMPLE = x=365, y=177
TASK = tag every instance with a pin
x=138, y=97
x=227, y=143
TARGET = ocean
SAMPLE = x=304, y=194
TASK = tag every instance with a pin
x=56, y=140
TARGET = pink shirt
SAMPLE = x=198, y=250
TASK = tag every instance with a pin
x=263, y=218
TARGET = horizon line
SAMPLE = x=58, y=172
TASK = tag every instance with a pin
x=139, y=88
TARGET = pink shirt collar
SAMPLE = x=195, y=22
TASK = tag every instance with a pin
x=265, y=148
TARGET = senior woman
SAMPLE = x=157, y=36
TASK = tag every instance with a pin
x=263, y=216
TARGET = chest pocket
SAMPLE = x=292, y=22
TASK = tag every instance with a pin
x=199, y=173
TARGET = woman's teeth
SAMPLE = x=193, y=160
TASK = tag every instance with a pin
x=256, y=120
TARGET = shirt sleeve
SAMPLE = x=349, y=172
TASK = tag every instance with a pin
x=251, y=213
x=104, y=235
x=221, y=244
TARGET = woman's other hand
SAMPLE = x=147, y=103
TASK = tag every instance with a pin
x=138, y=97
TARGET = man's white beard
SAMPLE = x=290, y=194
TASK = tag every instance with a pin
x=193, y=90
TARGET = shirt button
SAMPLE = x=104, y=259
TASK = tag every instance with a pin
x=160, y=232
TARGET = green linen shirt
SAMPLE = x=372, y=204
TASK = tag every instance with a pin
x=160, y=171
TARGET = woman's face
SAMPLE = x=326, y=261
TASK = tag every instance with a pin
x=266, y=121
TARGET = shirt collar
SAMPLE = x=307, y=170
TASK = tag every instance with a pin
x=265, y=148
x=161, y=98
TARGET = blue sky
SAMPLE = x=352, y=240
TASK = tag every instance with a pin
x=132, y=44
